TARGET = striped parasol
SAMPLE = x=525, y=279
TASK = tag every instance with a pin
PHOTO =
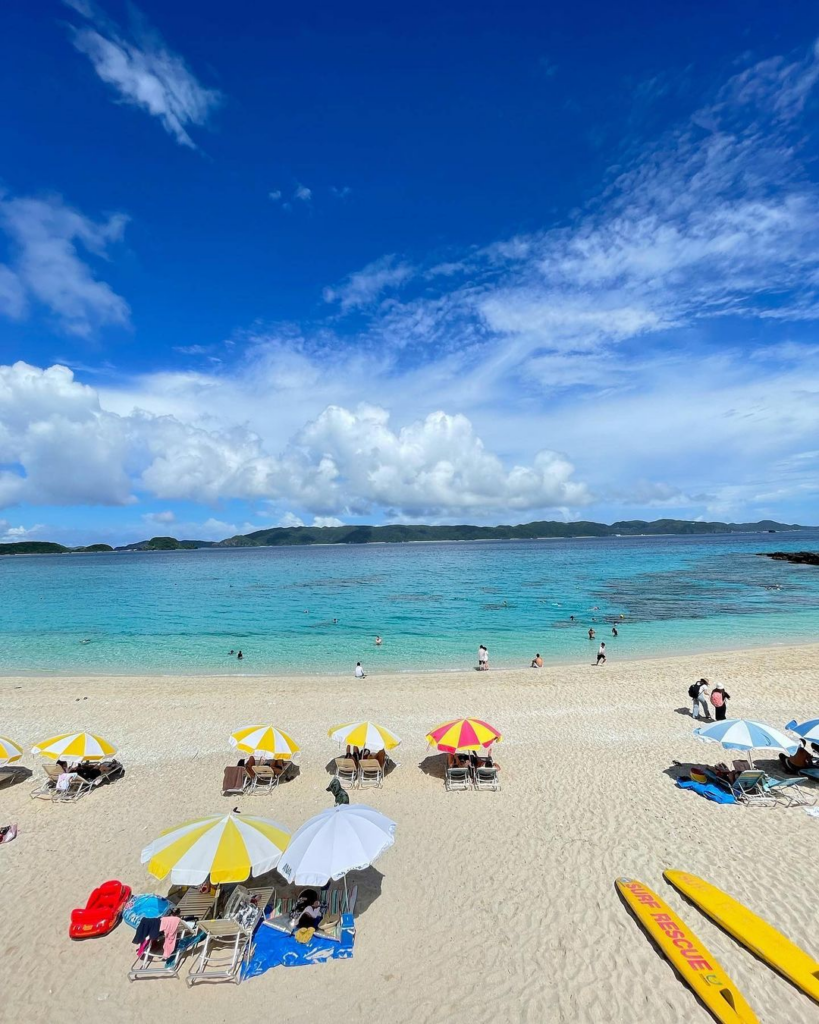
x=463, y=734
x=75, y=746
x=224, y=848
x=807, y=730
x=364, y=735
x=9, y=751
x=265, y=739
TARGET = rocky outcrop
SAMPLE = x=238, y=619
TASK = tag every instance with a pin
x=797, y=557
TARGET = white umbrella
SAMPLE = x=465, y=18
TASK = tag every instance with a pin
x=9, y=751
x=807, y=730
x=349, y=837
x=744, y=734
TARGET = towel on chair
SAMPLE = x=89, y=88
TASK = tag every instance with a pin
x=234, y=778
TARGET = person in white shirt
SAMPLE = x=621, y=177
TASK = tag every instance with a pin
x=359, y=671
x=483, y=658
x=698, y=702
x=601, y=654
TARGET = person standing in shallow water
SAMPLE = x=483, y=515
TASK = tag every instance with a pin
x=591, y=634
x=240, y=656
x=483, y=659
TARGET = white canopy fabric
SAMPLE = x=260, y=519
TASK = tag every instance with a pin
x=744, y=734
x=345, y=838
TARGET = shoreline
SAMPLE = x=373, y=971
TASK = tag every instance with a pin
x=764, y=647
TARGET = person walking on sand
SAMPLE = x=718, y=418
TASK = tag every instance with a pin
x=537, y=661
x=698, y=692
x=483, y=659
x=601, y=654
x=718, y=698
x=359, y=671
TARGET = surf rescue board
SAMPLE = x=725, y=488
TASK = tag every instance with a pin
x=697, y=967
x=762, y=939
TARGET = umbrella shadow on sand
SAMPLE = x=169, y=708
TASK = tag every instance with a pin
x=369, y=884
x=434, y=765
x=12, y=774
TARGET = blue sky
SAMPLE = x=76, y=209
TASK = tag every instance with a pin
x=490, y=263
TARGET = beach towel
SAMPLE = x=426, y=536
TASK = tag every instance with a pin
x=709, y=791
x=7, y=833
x=233, y=780
x=169, y=926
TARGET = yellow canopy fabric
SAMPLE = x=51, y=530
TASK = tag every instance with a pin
x=363, y=735
x=267, y=739
x=75, y=746
x=9, y=750
x=224, y=848
x=463, y=734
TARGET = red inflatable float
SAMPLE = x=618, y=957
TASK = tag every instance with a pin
x=102, y=911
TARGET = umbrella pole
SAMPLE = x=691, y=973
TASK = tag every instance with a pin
x=751, y=757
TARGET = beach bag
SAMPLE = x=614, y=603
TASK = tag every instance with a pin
x=694, y=691
x=716, y=699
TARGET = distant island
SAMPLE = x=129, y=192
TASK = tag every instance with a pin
x=294, y=536
x=797, y=557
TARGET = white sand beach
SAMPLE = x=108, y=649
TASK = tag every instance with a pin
x=489, y=906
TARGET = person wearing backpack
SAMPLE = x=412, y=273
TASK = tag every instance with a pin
x=718, y=699
x=698, y=692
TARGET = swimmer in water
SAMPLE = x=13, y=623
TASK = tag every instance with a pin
x=614, y=631
x=85, y=641
x=231, y=651
x=591, y=634
x=335, y=622
x=240, y=655
x=378, y=641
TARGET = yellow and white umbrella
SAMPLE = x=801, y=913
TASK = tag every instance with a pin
x=265, y=739
x=9, y=751
x=225, y=848
x=75, y=746
x=364, y=734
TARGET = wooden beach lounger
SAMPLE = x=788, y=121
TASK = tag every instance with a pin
x=228, y=940
x=195, y=905
x=346, y=772
x=370, y=774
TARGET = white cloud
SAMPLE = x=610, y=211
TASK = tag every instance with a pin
x=144, y=72
x=275, y=195
x=303, y=193
x=159, y=518
x=323, y=521
x=290, y=521
x=340, y=193
x=46, y=265
x=364, y=286
x=14, y=534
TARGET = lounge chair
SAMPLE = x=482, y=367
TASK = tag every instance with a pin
x=789, y=789
x=265, y=777
x=747, y=788
x=370, y=774
x=458, y=778
x=235, y=779
x=77, y=787
x=152, y=963
x=228, y=941
x=47, y=788
x=261, y=895
x=346, y=772
x=109, y=770
x=810, y=773
x=337, y=906
x=487, y=778
x=281, y=914
x=194, y=905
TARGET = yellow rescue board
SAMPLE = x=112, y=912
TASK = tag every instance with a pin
x=755, y=934
x=692, y=961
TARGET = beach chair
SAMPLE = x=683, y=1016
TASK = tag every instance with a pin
x=152, y=963
x=194, y=905
x=810, y=773
x=77, y=787
x=487, y=778
x=789, y=790
x=109, y=770
x=281, y=913
x=336, y=906
x=228, y=942
x=261, y=895
x=264, y=779
x=748, y=788
x=346, y=772
x=370, y=774
x=48, y=787
x=235, y=779
x=458, y=778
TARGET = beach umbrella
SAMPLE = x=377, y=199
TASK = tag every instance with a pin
x=9, y=751
x=463, y=734
x=75, y=746
x=224, y=848
x=364, y=734
x=265, y=739
x=807, y=730
x=349, y=837
x=743, y=734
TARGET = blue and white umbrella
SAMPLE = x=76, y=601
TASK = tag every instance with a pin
x=807, y=730
x=743, y=734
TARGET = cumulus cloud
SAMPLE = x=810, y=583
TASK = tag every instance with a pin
x=144, y=72
x=66, y=449
x=364, y=286
x=303, y=193
x=159, y=518
x=14, y=534
x=322, y=521
x=46, y=265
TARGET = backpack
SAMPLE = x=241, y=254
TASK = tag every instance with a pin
x=716, y=699
x=694, y=691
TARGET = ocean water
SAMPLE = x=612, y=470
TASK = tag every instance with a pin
x=181, y=612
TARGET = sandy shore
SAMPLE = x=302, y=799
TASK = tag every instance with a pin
x=489, y=906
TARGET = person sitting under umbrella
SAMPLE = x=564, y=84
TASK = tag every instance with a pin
x=800, y=759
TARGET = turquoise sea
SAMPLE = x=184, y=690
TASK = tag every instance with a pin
x=181, y=612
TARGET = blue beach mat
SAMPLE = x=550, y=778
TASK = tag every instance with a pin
x=273, y=948
x=708, y=790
